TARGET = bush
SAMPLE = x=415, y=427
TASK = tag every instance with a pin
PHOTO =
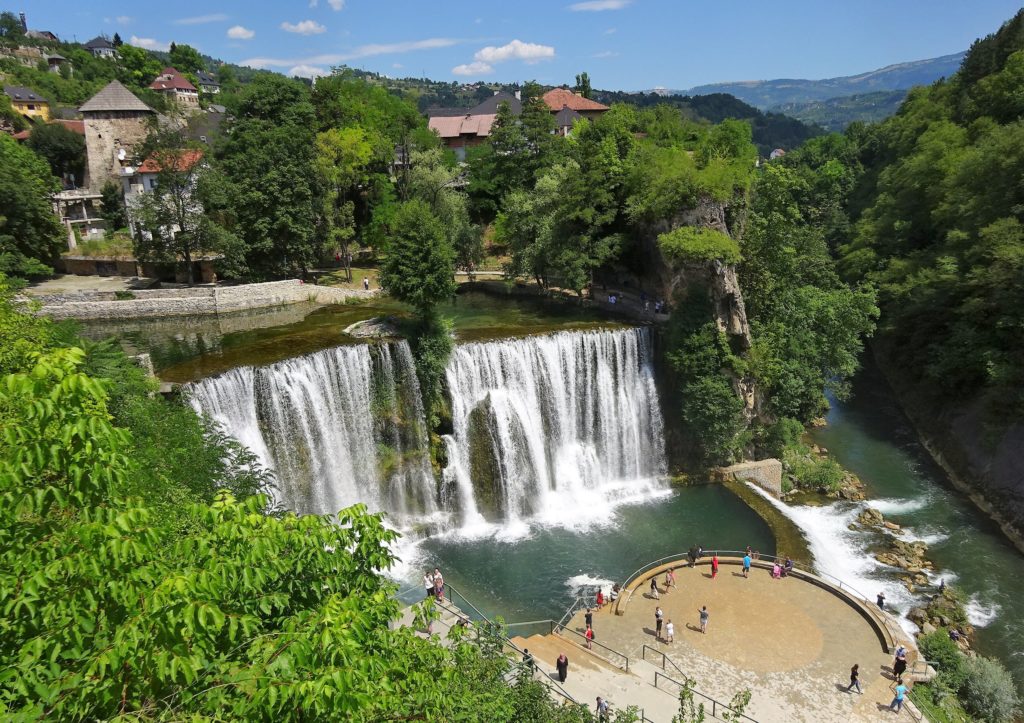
x=690, y=243
x=988, y=690
x=937, y=647
x=816, y=474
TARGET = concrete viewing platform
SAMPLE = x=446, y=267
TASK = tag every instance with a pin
x=790, y=641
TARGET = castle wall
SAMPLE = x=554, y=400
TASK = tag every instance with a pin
x=105, y=134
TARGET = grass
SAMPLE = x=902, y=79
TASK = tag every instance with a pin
x=118, y=246
x=337, y=278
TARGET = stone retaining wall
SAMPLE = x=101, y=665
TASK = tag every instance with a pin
x=195, y=301
x=765, y=473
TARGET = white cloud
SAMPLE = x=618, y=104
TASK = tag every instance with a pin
x=305, y=27
x=149, y=43
x=397, y=65
x=516, y=50
x=202, y=19
x=596, y=6
x=475, y=68
x=336, y=5
x=123, y=19
x=606, y=54
x=611, y=31
x=312, y=3
x=307, y=71
x=237, y=32
x=363, y=51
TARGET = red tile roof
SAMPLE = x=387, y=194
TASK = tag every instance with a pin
x=460, y=125
x=182, y=163
x=171, y=79
x=561, y=98
x=72, y=125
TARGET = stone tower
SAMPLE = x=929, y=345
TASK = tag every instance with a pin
x=115, y=123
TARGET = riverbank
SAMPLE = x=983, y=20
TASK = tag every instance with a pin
x=987, y=467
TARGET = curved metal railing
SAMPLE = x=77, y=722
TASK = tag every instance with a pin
x=716, y=706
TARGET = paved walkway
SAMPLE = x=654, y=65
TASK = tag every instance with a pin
x=790, y=642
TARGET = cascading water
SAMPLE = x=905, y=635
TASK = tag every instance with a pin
x=337, y=427
x=552, y=427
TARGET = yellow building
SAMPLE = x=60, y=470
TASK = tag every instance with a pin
x=27, y=102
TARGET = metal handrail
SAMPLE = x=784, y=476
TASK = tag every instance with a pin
x=558, y=628
x=579, y=602
x=451, y=590
x=715, y=705
x=664, y=659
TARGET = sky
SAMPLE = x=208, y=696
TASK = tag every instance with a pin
x=622, y=44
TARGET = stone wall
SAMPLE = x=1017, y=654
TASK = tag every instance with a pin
x=194, y=301
x=105, y=134
x=765, y=473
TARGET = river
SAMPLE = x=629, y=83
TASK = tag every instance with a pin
x=871, y=437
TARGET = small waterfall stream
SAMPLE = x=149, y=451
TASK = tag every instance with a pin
x=553, y=428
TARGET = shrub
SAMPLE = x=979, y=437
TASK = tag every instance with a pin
x=988, y=690
x=938, y=648
x=817, y=474
x=690, y=243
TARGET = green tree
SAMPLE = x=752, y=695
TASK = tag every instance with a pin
x=169, y=218
x=117, y=41
x=62, y=148
x=10, y=27
x=30, y=235
x=583, y=85
x=343, y=158
x=186, y=59
x=420, y=262
x=989, y=691
x=113, y=210
x=272, y=195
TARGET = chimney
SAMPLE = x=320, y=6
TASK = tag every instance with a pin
x=24, y=23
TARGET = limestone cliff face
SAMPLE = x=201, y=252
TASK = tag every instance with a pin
x=720, y=281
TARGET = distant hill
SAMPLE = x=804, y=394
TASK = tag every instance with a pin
x=835, y=114
x=765, y=94
x=770, y=130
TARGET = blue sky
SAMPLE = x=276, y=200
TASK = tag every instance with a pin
x=623, y=44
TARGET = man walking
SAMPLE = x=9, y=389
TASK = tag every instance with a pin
x=746, y=565
x=602, y=709
x=658, y=615
x=704, y=620
x=901, y=691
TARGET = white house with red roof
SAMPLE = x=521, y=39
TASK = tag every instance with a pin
x=176, y=87
x=560, y=99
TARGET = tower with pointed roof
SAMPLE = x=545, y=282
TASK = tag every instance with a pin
x=116, y=122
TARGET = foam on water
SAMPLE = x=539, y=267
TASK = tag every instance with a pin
x=843, y=553
x=584, y=584
x=896, y=506
x=980, y=613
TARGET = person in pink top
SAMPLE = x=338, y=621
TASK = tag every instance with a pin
x=714, y=566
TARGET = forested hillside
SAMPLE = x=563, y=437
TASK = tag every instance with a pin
x=835, y=114
x=931, y=216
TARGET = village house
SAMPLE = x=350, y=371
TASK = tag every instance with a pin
x=101, y=47
x=176, y=87
x=56, y=62
x=208, y=83
x=27, y=102
x=460, y=128
x=36, y=34
x=560, y=98
x=116, y=122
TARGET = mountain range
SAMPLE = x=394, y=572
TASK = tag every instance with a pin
x=770, y=94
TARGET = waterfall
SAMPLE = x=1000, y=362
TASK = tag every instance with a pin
x=337, y=427
x=552, y=427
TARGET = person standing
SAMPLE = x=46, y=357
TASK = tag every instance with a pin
x=704, y=620
x=670, y=632
x=670, y=579
x=855, y=679
x=654, y=589
x=899, y=665
x=366, y=284
x=880, y=600
x=438, y=585
x=588, y=617
x=746, y=565
x=562, y=666
x=589, y=635
x=528, y=660
x=714, y=566
x=602, y=710
x=428, y=583
x=658, y=615
x=900, y=692
x=600, y=598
